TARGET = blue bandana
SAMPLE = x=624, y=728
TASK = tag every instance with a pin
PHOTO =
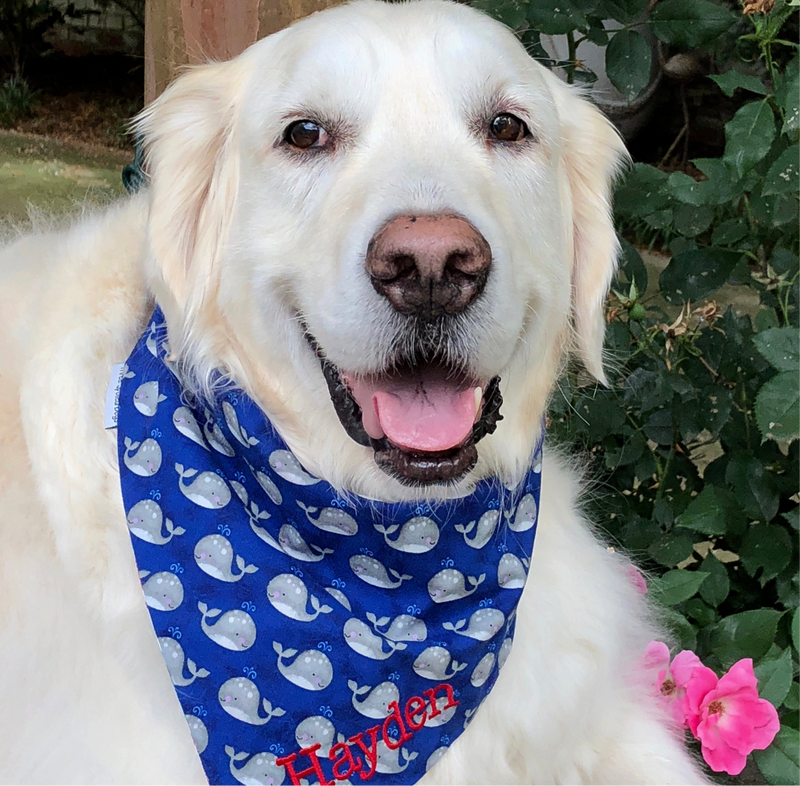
x=309, y=636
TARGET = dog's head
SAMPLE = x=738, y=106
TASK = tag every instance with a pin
x=392, y=214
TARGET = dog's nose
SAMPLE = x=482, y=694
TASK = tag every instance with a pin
x=429, y=265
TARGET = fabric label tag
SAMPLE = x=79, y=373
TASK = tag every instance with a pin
x=112, y=394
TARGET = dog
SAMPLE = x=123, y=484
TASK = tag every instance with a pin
x=380, y=199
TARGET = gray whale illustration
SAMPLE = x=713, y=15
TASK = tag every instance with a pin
x=362, y=640
x=484, y=531
x=208, y=490
x=403, y=628
x=146, y=521
x=239, y=697
x=267, y=485
x=434, y=757
x=290, y=542
x=331, y=520
x=289, y=596
x=339, y=596
x=173, y=655
x=373, y=572
x=448, y=585
x=260, y=770
x=184, y=421
x=388, y=760
x=376, y=703
x=198, y=731
x=483, y=624
x=444, y=715
x=524, y=516
x=163, y=591
x=234, y=630
x=432, y=664
x=146, y=398
x=504, y=652
x=417, y=536
x=288, y=467
x=311, y=669
x=233, y=425
x=316, y=729
x=214, y=556
x=214, y=436
x=511, y=572
x=146, y=461
x=482, y=671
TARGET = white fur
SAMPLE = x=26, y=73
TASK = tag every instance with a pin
x=237, y=240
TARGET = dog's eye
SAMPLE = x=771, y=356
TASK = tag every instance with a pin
x=305, y=134
x=508, y=128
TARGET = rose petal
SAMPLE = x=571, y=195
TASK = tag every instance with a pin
x=683, y=666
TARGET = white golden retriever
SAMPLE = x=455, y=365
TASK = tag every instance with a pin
x=278, y=181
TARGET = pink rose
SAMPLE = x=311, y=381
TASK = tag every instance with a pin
x=727, y=716
x=637, y=579
x=671, y=678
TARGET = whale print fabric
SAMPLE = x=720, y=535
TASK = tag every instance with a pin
x=310, y=635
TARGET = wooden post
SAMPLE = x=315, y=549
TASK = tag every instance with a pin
x=186, y=32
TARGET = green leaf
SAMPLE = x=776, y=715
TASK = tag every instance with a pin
x=690, y=23
x=709, y=512
x=632, y=265
x=782, y=177
x=775, y=678
x=731, y=80
x=792, y=700
x=777, y=405
x=676, y=586
x=647, y=390
x=748, y=634
x=791, y=105
x=629, y=59
x=695, y=274
x=690, y=191
x=796, y=629
x=681, y=628
x=671, y=549
x=748, y=136
x=753, y=486
x=659, y=428
x=766, y=547
x=691, y=221
x=625, y=11
x=716, y=588
x=700, y=612
x=766, y=319
x=555, y=17
x=729, y=232
x=781, y=347
x=780, y=762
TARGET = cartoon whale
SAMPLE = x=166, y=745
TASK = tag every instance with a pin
x=511, y=572
x=151, y=342
x=214, y=436
x=288, y=467
x=482, y=671
x=376, y=703
x=432, y=664
x=370, y=570
x=444, y=715
x=234, y=630
x=504, y=652
x=239, y=697
x=434, y=757
x=416, y=536
x=311, y=669
x=214, y=556
x=485, y=529
x=388, y=760
x=315, y=729
x=525, y=515
x=163, y=591
x=483, y=624
x=339, y=596
x=208, y=490
x=260, y=770
x=289, y=596
x=146, y=398
x=147, y=459
x=448, y=585
x=184, y=421
x=198, y=731
x=291, y=543
x=173, y=655
x=145, y=520
x=267, y=485
x=233, y=425
x=331, y=520
x=362, y=640
x=403, y=628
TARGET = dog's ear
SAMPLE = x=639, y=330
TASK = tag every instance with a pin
x=189, y=134
x=592, y=156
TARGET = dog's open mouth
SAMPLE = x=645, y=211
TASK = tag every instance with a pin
x=422, y=419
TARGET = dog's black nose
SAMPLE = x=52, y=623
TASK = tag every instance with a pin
x=429, y=265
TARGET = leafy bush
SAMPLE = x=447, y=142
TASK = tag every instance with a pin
x=16, y=101
x=23, y=26
x=696, y=439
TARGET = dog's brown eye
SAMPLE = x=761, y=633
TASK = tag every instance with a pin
x=305, y=134
x=508, y=128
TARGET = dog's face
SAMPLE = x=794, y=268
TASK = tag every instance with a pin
x=393, y=205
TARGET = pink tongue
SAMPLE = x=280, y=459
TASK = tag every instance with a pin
x=414, y=413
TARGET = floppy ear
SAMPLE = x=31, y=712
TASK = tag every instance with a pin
x=189, y=134
x=592, y=155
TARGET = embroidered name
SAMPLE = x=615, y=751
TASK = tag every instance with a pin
x=396, y=730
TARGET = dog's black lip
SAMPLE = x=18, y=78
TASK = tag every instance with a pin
x=421, y=469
